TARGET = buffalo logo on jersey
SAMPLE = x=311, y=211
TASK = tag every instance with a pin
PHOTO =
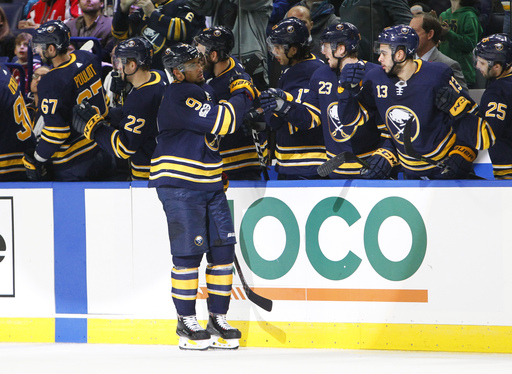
x=212, y=141
x=157, y=40
x=336, y=128
x=198, y=240
x=396, y=118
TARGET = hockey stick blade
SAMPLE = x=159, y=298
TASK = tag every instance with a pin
x=260, y=301
x=332, y=164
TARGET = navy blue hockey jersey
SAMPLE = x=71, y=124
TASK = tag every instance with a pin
x=320, y=106
x=397, y=102
x=172, y=21
x=298, y=153
x=190, y=124
x=136, y=133
x=238, y=151
x=59, y=91
x=15, y=129
x=495, y=107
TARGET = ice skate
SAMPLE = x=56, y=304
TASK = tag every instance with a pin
x=192, y=335
x=223, y=335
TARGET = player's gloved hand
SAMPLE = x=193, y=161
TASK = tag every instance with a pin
x=277, y=101
x=86, y=119
x=380, y=165
x=459, y=163
x=242, y=83
x=253, y=120
x=351, y=75
x=117, y=84
x=449, y=101
x=36, y=170
x=225, y=181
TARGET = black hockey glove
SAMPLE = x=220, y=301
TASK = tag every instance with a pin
x=351, y=75
x=36, y=171
x=459, y=163
x=449, y=101
x=117, y=84
x=253, y=120
x=380, y=165
x=277, y=101
x=86, y=119
x=242, y=83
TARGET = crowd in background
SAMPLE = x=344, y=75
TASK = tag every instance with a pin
x=463, y=22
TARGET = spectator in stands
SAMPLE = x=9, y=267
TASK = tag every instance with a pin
x=22, y=43
x=461, y=32
x=429, y=30
x=161, y=22
x=384, y=13
x=419, y=8
x=49, y=10
x=303, y=13
x=92, y=23
x=33, y=101
x=250, y=32
x=6, y=37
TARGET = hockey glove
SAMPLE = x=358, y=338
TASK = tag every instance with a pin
x=86, y=119
x=351, y=75
x=225, y=181
x=36, y=170
x=459, y=163
x=380, y=165
x=449, y=101
x=277, y=101
x=117, y=84
x=253, y=120
x=242, y=83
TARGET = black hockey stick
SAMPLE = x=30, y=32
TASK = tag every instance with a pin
x=332, y=164
x=411, y=152
x=260, y=301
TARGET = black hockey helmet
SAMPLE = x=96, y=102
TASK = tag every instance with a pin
x=287, y=32
x=342, y=33
x=398, y=37
x=174, y=57
x=52, y=32
x=216, y=38
x=496, y=48
x=138, y=48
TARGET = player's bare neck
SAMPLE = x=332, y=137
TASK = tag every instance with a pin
x=61, y=59
x=220, y=67
x=408, y=69
x=139, y=78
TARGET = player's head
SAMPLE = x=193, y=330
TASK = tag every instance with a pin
x=184, y=62
x=51, y=33
x=395, y=45
x=340, y=40
x=493, y=55
x=289, y=41
x=133, y=54
x=218, y=39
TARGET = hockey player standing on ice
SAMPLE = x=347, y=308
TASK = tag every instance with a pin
x=298, y=153
x=186, y=170
x=239, y=155
x=424, y=96
x=340, y=43
x=133, y=134
x=75, y=76
x=493, y=58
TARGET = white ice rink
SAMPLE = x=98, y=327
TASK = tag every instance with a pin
x=59, y=358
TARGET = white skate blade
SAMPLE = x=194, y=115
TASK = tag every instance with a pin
x=216, y=342
x=196, y=345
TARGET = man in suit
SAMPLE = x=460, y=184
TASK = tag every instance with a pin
x=429, y=29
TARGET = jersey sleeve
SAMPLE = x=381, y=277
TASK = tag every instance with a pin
x=175, y=26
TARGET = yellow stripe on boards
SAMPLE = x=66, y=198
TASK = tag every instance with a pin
x=27, y=330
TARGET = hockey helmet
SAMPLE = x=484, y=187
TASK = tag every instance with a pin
x=287, y=32
x=176, y=56
x=138, y=48
x=398, y=37
x=216, y=38
x=52, y=32
x=495, y=48
x=342, y=33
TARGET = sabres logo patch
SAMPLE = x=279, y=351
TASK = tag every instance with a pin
x=198, y=240
x=290, y=29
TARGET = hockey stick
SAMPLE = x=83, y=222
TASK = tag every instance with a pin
x=411, y=152
x=332, y=164
x=251, y=295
